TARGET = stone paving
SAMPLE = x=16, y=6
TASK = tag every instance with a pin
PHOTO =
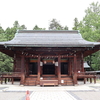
x=88, y=95
x=51, y=95
x=78, y=92
x=12, y=95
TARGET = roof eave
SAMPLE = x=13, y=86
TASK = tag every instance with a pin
x=47, y=45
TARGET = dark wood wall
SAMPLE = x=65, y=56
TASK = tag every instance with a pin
x=70, y=61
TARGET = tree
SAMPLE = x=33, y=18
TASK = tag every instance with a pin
x=55, y=25
x=90, y=30
x=90, y=25
x=76, y=24
x=1, y=30
x=95, y=63
x=23, y=27
x=8, y=34
x=16, y=24
x=65, y=28
x=5, y=63
x=38, y=28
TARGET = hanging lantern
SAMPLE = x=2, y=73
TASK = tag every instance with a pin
x=45, y=62
x=56, y=63
x=53, y=62
x=41, y=63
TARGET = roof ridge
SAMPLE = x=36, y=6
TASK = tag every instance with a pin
x=47, y=31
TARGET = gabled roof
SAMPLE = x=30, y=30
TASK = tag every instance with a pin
x=48, y=38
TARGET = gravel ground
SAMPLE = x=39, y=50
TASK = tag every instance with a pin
x=12, y=95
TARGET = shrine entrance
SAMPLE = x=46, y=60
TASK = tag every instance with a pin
x=48, y=69
x=64, y=68
x=33, y=68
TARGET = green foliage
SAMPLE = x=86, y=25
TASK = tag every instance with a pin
x=76, y=24
x=5, y=61
x=65, y=28
x=95, y=63
x=38, y=28
x=16, y=24
x=1, y=30
x=55, y=25
x=22, y=27
x=90, y=29
x=6, y=64
x=90, y=25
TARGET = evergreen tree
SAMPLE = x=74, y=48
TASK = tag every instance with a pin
x=90, y=29
x=38, y=28
x=8, y=34
x=55, y=25
x=76, y=24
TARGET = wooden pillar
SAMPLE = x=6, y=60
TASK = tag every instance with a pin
x=69, y=69
x=22, y=70
x=84, y=80
x=38, y=77
x=27, y=68
x=82, y=64
x=90, y=80
x=59, y=70
x=1, y=80
x=41, y=67
x=56, y=70
x=5, y=80
x=94, y=79
x=75, y=69
x=14, y=66
x=12, y=80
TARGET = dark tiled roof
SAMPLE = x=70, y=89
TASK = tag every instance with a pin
x=30, y=38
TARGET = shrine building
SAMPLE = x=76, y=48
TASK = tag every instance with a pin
x=48, y=57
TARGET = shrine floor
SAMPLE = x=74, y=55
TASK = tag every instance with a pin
x=78, y=92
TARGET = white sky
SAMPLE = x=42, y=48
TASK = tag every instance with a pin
x=41, y=12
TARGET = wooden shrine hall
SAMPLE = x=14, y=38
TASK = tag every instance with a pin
x=48, y=57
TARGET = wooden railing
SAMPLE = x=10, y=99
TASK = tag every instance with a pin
x=10, y=74
x=98, y=77
x=87, y=75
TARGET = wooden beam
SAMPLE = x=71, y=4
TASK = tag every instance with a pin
x=44, y=56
